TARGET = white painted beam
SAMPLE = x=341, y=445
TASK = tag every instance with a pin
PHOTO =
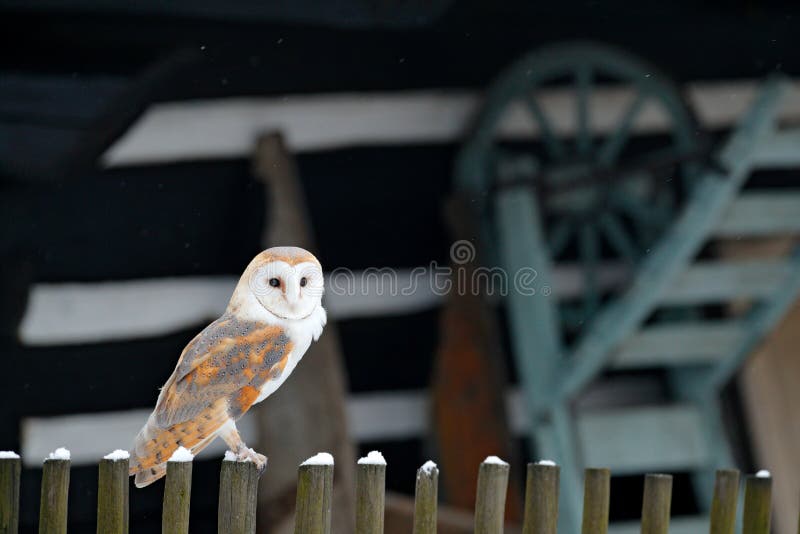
x=78, y=313
x=227, y=128
x=371, y=417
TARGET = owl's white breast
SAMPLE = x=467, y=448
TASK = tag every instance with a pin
x=300, y=333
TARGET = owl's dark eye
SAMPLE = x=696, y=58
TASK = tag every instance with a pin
x=303, y=282
x=274, y=282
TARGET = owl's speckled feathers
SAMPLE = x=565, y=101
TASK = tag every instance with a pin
x=236, y=361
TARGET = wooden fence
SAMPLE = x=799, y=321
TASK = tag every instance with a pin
x=239, y=481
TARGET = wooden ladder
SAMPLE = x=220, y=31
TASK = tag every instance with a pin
x=699, y=355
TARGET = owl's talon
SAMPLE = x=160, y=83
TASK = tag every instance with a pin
x=246, y=454
x=261, y=464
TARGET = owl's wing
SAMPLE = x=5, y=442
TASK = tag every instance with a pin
x=230, y=359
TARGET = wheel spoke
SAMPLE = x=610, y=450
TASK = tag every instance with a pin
x=650, y=216
x=552, y=143
x=618, y=237
x=583, y=90
x=559, y=238
x=590, y=254
x=616, y=141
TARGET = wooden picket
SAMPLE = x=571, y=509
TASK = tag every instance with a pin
x=313, y=511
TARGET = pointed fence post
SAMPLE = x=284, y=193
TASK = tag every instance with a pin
x=238, y=494
x=541, y=499
x=757, y=502
x=55, y=489
x=596, y=496
x=177, y=493
x=314, y=495
x=656, y=504
x=425, y=499
x=490, y=501
x=10, y=468
x=723, y=505
x=370, y=494
x=112, y=494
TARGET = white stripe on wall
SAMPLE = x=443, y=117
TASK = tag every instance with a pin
x=64, y=314
x=384, y=416
x=227, y=128
x=91, y=436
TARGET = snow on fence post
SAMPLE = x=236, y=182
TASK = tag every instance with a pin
x=656, y=504
x=10, y=467
x=370, y=493
x=177, y=493
x=596, y=495
x=757, y=501
x=425, y=499
x=541, y=498
x=238, y=493
x=490, y=500
x=55, y=487
x=723, y=505
x=112, y=494
x=312, y=514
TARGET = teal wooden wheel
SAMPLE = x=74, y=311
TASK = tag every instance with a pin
x=605, y=196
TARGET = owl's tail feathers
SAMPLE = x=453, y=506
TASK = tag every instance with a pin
x=154, y=444
x=151, y=449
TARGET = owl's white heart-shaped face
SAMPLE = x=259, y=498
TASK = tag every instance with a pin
x=288, y=291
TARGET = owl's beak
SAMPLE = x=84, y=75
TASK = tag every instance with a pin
x=293, y=294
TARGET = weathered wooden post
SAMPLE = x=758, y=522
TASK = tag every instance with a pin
x=177, y=493
x=314, y=495
x=55, y=487
x=541, y=499
x=757, y=503
x=596, y=496
x=723, y=505
x=10, y=468
x=238, y=494
x=112, y=494
x=314, y=398
x=656, y=504
x=370, y=493
x=425, y=499
x=490, y=501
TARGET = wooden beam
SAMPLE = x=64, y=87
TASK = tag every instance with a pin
x=313, y=399
x=468, y=384
x=224, y=128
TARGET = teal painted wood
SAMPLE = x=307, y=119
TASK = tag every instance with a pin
x=762, y=213
x=659, y=269
x=682, y=436
x=679, y=343
x=779, y=150
x=637, y=440
x=563, y=160
x=531, y=305
x=571, y=489
x=709, y=282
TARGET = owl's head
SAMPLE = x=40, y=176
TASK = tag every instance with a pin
x=285, y=281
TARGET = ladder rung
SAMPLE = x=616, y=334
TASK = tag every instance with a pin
x=724, y=281
x=643, y=439
x=672, y=344
x=761, y=213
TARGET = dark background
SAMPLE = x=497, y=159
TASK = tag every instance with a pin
x=74, y=75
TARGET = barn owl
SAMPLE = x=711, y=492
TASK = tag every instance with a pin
x=236, y=361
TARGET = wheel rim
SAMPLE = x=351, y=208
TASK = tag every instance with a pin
x=603, y=198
